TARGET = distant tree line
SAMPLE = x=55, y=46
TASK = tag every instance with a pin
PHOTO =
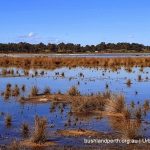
x=71, y=48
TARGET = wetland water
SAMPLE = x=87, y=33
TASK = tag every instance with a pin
x=96, y=55
x=87, y=80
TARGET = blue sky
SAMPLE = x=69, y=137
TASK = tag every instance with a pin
x=77, y=21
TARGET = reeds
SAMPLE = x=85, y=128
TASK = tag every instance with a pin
x=127, y=114
x=16, y=91
x=15, y=145
x=116, y=104
x=8, y=120
x=34, y=91
x=128, y=82
x=73, y=62
x=73, y=91
x=90, y=104
x=146, y=105
x=130, y=130
x=25, y=129
x=7, y=92
x=40, y=133
x=47, y=91
x=139, y=78
x=23, y=88
x=138, y=114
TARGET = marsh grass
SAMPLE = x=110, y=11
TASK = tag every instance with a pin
x=127, y=114
x=132, y=104
x=7, y=92
x=34, y=91
x=47, y=91
x=16, y=91
x=23, y=88
x=128, y=82
x=139, y=78
x=138, y=114
x=116, y=104
x=40, y=131
x=8, y=120
x=130, y=130
x=15, y=145
x=73, y=91
x=25, y=129
x=88, y=105
x=113, y=63
x=146, y=105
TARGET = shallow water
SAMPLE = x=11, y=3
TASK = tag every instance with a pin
x=96, y=55
x=90, y=81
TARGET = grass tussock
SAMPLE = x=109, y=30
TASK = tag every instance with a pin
x=47, y=91
x=34, y=91
x=40, y=133
x=8, y=120
x=116, y=104
x=15, y=145
x=16, y=91
x=73, y=91
x=7, y=92
x=130, y=130
x=128, y=82
x=87, y=105
x=25, y=129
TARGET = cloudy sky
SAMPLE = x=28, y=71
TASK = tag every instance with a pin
x=77, y=21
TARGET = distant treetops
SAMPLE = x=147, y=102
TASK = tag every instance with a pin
x=72, y=48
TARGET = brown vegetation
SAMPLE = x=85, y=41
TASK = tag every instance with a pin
x=40, y=134
x=78, y=133
x=51, y=63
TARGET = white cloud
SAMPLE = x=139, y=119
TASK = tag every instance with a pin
x=131, y=36
x=29, y=35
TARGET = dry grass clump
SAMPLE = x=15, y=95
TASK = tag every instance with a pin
x=8, y=120
x=89, y=104
x=132, y=104
x=25, y=129
x=34, y=91
x=138, y=114
x=73, y=91
x=40, y=133
x=126, y=114
x=16, y=91
x=47, y=90
x=4, y=71
x=146, y=105
x=7, y=92
x=15, y=145
x=23, y=88
x=130, y=130
x=116, y=104
x=128, y=82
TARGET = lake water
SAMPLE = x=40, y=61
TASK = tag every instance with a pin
x=92, y=81
x=96, y=55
